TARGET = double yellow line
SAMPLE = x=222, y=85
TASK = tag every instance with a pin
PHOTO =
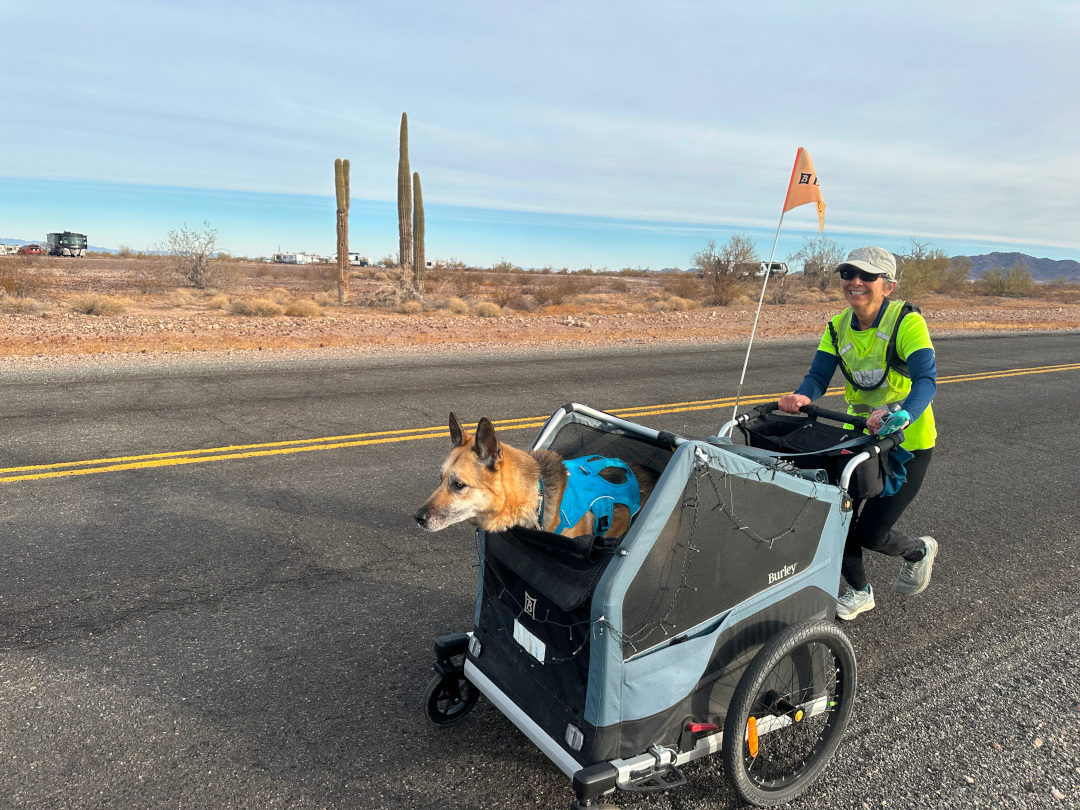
x=242, y=451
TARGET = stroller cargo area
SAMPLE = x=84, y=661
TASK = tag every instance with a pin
x=602, y=648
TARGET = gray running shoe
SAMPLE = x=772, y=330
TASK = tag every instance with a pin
x=854, y=602
x=915, y=576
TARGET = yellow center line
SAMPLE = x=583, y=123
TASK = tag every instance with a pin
x=230, y=452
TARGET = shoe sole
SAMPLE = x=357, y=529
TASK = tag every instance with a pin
x=856, y=612
x=931, y=554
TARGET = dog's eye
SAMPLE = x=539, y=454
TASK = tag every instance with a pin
x=457, y=486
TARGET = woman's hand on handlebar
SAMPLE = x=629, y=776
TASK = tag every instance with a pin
x=792, y=402
x=881, y=418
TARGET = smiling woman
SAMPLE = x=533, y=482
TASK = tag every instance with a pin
x=884, y=351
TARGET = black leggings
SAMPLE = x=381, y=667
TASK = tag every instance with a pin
x=873, y=529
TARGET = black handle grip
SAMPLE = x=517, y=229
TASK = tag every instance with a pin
x=815, y=411
x=887, y=443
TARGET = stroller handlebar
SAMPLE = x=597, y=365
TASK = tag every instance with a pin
x=882, y=444
x=813, y=411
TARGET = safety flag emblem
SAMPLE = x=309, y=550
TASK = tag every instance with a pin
x=804, y=187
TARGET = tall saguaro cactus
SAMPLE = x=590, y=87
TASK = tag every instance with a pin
x=418, y=234
x=341, y=184
x=404, y=200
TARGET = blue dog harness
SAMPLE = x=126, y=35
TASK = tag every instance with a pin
x=587, y=491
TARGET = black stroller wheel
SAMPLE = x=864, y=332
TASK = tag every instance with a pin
x=448, y=698
x=789, y=712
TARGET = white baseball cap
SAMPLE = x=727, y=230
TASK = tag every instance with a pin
x=871, y=259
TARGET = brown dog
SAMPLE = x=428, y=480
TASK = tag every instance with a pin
x=495, y=486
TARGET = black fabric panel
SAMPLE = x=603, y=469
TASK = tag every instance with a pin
x=735, y=648
x=552, y=693
x=731, y=538
x=552, y=564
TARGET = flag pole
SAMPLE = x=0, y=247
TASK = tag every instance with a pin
x=761, y=300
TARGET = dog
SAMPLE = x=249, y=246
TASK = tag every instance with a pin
x=496, y=487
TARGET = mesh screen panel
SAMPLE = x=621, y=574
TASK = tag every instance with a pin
x=730, y=537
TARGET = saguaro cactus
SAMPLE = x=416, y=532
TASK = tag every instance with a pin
x=341, y=183
x=404, y=200
x=418, y=234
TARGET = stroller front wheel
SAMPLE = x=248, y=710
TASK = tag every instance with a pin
x=448, y=698
x=789, y=712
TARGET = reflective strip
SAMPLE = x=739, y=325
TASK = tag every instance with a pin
x=847, y=348
x=869, y=378
x=884, y=335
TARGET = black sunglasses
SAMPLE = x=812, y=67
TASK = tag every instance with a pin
x=848, y=274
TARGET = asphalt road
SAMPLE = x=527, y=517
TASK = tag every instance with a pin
x=251, y=627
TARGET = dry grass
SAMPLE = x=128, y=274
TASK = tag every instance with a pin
x=486, y=309
x=632, y=307
x=94, y=304
x=22, y=306
x=303, y=308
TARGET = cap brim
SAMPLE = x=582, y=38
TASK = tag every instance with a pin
x=861, y=265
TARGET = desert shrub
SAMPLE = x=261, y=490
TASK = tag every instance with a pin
x=457, y=305
x=555, y=290
x=21, y=277
x=303, y=308
x=683, y=285
x=21, y=306
x=1013, y=282
x=218, y=301
x=95, y=304
x=264, y=307
x=410, y=307
x=487, y=309
x=673, y=303
x=180, y=298
x=1062, y=291
x=954, y=277
x=780, y=290
x=280, y=296
x=511, y=297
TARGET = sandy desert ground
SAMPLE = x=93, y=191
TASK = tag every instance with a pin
x=152, y=314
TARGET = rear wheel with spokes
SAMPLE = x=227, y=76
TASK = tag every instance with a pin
x=789, y=712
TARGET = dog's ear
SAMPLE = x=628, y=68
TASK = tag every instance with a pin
x=487, y=446
x=457, y=432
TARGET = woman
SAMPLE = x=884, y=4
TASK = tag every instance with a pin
x=883, y=349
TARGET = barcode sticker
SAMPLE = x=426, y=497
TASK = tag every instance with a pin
x=533, y=646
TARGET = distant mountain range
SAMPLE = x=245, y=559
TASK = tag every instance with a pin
x=1040, y=269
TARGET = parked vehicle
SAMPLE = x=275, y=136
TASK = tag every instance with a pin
x=775, y=269
x=294, y=258
x=67, y=243
x=30, y=250
x=8, y=250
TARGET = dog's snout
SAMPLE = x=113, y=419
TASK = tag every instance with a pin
x=421, y=517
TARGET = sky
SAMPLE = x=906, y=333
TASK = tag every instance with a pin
x=565, y=134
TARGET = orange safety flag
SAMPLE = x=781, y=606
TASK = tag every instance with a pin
x=804, y=187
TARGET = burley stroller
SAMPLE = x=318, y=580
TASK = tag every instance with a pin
x=708, y=627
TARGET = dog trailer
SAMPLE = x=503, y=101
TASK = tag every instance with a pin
x=708, y=627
